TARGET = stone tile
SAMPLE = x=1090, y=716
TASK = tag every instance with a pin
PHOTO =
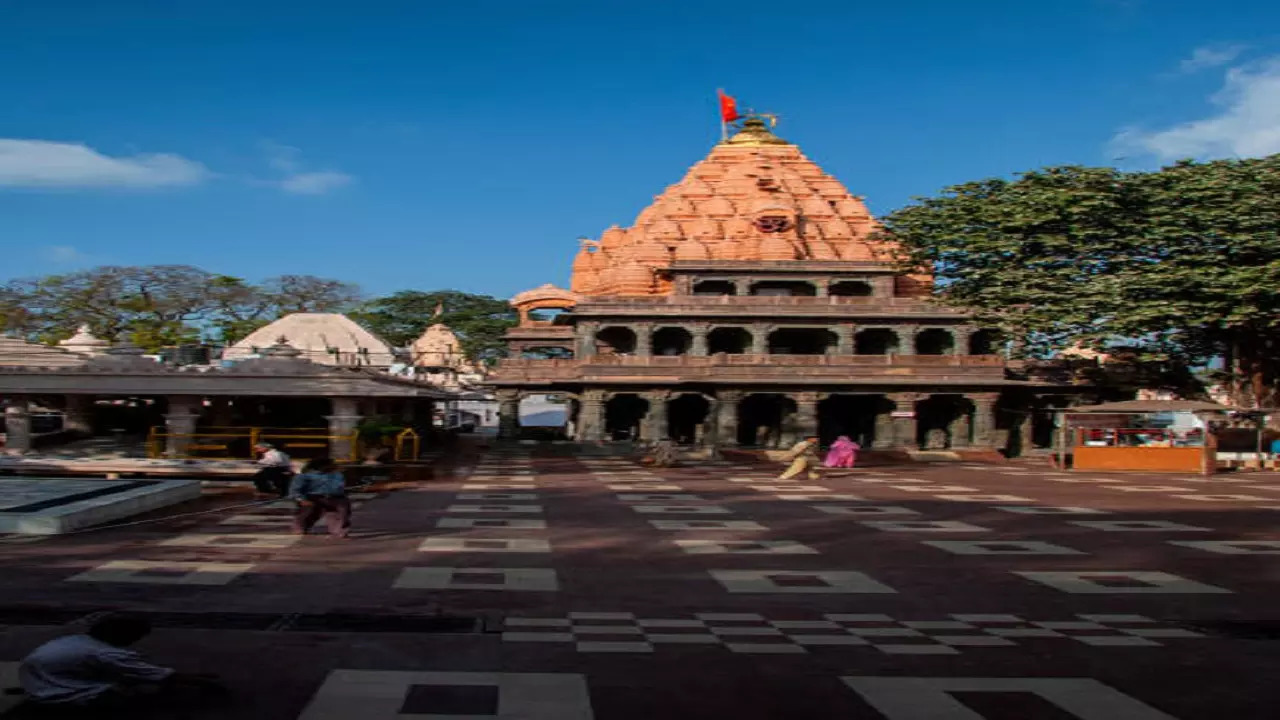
x=864, y=510
x=833, y=497
x=497, y=496
x=162, y=572
x=675, y=499
x=647, y=487
x=1138, y=526
x=744, y=547
x=1001, y=547
x=924, y=526
x=1050, y=510
x=1122, y=582
x=459, y=578
x=790, y=488
x=503, y=523
x=929, y=698
x=392, y=694
x=681, y=509
x=1232, y=547
x=707, y=525
x=935, y=488
x=799, y=582
x=978, y=497
x=246, y=540
x=515, y=509
x=1147, y=488
x=1221, y=498
x=457, y=544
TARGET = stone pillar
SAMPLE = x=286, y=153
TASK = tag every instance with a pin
x=586, y=345
x=741, y=286
x=960, y=336
x=904, y=428
x=760, y=338
x=844, y=338
x=907, y=339
x=806, y=422
x=342, y=423
x=984, y=418
x=77, y=414
x=591, y=417
x=17, y=426
x=884, y=439
x=958, y=429
x=727, y=417
x=699, y=345
x=644, y=339
x=654, y=426
x=821, y=288
x=180, y=424
x=508, y=414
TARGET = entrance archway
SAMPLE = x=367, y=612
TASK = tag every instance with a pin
x=943, y=421
x=761, y=417
x=851, y=415
x=623, y=414
x=686, y=417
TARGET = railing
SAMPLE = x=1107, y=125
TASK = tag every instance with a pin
x=752, y=300
x=734, y=365
x=226, y=443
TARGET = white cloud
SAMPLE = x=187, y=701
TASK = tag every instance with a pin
x=64, y=254
x=287, y=160
x=1247, y=123
x=1210, y=56
x=44, y=163
x=315, y=183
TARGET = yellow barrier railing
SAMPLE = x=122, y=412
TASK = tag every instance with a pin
x=408, y=438
x=223, y=445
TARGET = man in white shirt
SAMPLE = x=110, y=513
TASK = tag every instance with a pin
x=277, y=470
x=97, y=671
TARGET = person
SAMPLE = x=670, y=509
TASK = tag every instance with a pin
x=88, y=675
x=320, y=489
x=275, y=473
x=843, y=453
x=804, y=457
x=664, y=453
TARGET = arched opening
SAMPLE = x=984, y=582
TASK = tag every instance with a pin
x=878, y=341
x=850, y=288
x=546, y=315
x=547, y=353
x=801, y=341
x=985, y=342
x=616, y=340
x=715, y=287
x=934, y=341
x=672, y=341
x=761, y=417
x=729, y=340
x=944, y=421
x=784, y=288
x=544, y=411
x=1043, y=429
x=687, y=418
x=851, y=415
x=623, y=414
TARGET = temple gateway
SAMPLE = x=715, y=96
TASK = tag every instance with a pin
x=752, y=304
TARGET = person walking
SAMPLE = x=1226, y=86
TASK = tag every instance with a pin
x=275, y=473
x=843, y=453
x=804, y=457
x=320, y=489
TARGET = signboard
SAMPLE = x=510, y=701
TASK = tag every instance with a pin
x=903, y=414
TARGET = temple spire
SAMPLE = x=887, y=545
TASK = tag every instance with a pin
x=756, y=129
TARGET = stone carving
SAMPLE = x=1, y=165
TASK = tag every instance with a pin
x=935, y=439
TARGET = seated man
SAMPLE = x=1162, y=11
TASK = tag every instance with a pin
x=276, y=472
x=96, y=672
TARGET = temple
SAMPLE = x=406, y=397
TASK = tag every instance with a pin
x=753, y=303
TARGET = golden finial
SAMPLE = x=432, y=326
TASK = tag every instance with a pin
x=756, y=129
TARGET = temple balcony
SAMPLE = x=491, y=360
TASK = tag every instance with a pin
x=731, y=369
x=763, y=306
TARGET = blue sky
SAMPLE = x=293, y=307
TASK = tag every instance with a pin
x=427, y=145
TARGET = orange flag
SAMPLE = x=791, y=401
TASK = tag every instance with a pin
x=728, y=107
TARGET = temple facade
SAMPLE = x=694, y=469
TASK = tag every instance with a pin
x=753, y=304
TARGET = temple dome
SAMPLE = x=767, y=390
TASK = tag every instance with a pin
x=325, y=338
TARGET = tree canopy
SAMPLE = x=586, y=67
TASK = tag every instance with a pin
x=1180, y=265
x=157, y=306
x=479, y=321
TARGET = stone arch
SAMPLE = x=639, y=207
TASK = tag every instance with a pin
x=875, y=341
x=935, y=341
x=688, y=415
x=761, y=419
x=985, y=342
x=791, y=288
x=615, y=340
x=673, y=340
x=729, y=340
x=802, y=341
x=850, y=288
x=623, y=416
x=856, y=416
x=715, y=287
x=944, y=422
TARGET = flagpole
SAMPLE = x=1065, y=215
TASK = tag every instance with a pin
x=724, y=127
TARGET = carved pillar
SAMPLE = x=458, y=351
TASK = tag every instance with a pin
x=760, y=338
x=741, y=286
x=806, y=422
x=984, y=418
x=904, y=426
x=586, y=338
x=77, y=414
x=17, y=426
x=644, y=339
x=958, y=429
x=844, y=338
x=180, y=424
x=699, y=346
x=884, y=438
x=654, y=426
x=821, y=287
x=907, y=339
x=727, y=417
x=960, y=337
x=508, y=414
x=343, y=421
x=591, y=417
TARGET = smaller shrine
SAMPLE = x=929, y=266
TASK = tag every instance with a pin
x=323, y=338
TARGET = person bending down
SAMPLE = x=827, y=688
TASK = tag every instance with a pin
x=88, y=675
x=320, y=489
x=803, y=457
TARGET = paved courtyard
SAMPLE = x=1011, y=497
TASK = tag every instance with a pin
x=535, y=586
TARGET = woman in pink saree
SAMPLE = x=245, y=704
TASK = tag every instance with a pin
x=843, y=453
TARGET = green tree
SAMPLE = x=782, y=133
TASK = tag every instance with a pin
x=1179, y=267
x=478, y=320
